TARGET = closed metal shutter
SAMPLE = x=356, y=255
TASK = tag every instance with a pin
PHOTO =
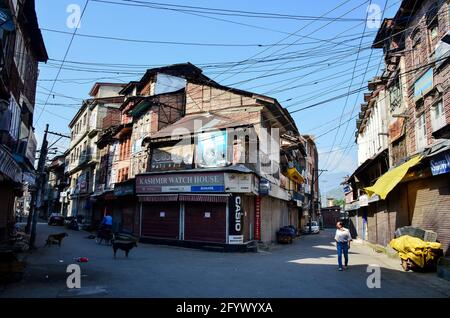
x=205, y=222
x=128, y=218
x=382, y=224
x=429, y=202
x=161, y=219
x=372, y=223
x=397, y=203
x=359, y=229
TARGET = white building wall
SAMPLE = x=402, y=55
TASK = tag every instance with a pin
x=374, y=138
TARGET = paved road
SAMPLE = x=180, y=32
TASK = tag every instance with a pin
x=307, y=268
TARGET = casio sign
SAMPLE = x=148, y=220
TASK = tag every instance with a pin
x=238, y=214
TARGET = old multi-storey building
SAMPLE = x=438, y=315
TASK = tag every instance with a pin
x=82, y=158
x=54, y=197
x=311, y=185
x=214, y=176
x=195, y=162
x=415, y=190
x=21, y=49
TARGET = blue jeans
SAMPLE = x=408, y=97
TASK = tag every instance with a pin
x=342, y=248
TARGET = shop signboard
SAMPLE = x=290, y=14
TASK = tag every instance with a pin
x=175, y=157
x=258, y=218
x=347, y=189
x=264, y=186
x=9, y=166
x=440, y=163
x=374, y=198
x=239, y=182
x=363, y=200
x=124, y=189
x=31, y=147
x=235, y=219
x=29, y=178
x=180, y=182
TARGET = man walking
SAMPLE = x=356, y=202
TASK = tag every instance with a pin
x=343, y=239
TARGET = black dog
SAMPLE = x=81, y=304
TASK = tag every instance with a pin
x=125, y=246
x=55, y=238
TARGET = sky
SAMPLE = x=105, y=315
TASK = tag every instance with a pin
x=309, y=58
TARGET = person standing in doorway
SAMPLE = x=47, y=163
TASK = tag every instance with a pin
x=343, y=239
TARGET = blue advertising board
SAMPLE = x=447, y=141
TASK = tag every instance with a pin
x=209, y=188
x=264, y=186
x=212, y=149
x=440, y=163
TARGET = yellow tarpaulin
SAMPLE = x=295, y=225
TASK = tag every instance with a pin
x=416, y=250
x=390, y=179
x=294, y=175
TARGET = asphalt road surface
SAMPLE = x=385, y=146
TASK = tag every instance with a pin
x=306, y=268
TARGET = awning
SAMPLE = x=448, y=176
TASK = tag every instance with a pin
x=158, y=198
x=204, y=198
x=294, y=175
x=390, y=179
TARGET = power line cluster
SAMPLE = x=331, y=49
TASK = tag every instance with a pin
x=312, y=53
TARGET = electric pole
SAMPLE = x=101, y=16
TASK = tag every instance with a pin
x=37, y=204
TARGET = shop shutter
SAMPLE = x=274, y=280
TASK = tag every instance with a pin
x=372, y=223
x=429, y=202
x=128, y=217
x=382, y=224
x=205, y=222
x=397, y=204
x=161, y=220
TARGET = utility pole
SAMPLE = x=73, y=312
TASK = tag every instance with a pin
x=312, y=209
x=40, y=185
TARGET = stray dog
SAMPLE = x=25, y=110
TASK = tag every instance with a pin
x=55, y=238
x=125, y=246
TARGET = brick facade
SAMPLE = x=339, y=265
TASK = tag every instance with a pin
x=419, y=56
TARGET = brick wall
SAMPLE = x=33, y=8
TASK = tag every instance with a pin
x=203, y=98
x=424, y=52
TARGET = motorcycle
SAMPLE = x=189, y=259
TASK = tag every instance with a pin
x=72, y=223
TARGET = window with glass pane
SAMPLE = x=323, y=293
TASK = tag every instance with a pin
x=438, y=116
x=421, y=133
x=395, y=95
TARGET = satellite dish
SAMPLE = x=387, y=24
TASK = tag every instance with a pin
x=6, y=22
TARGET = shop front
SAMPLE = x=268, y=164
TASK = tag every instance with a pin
x=125, y=205
x=196, y=208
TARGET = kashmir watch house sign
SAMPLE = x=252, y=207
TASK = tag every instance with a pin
x=180, y=182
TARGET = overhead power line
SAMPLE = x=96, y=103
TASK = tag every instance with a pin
x=64, y=58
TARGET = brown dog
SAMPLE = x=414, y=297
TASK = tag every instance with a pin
x=55, y=238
